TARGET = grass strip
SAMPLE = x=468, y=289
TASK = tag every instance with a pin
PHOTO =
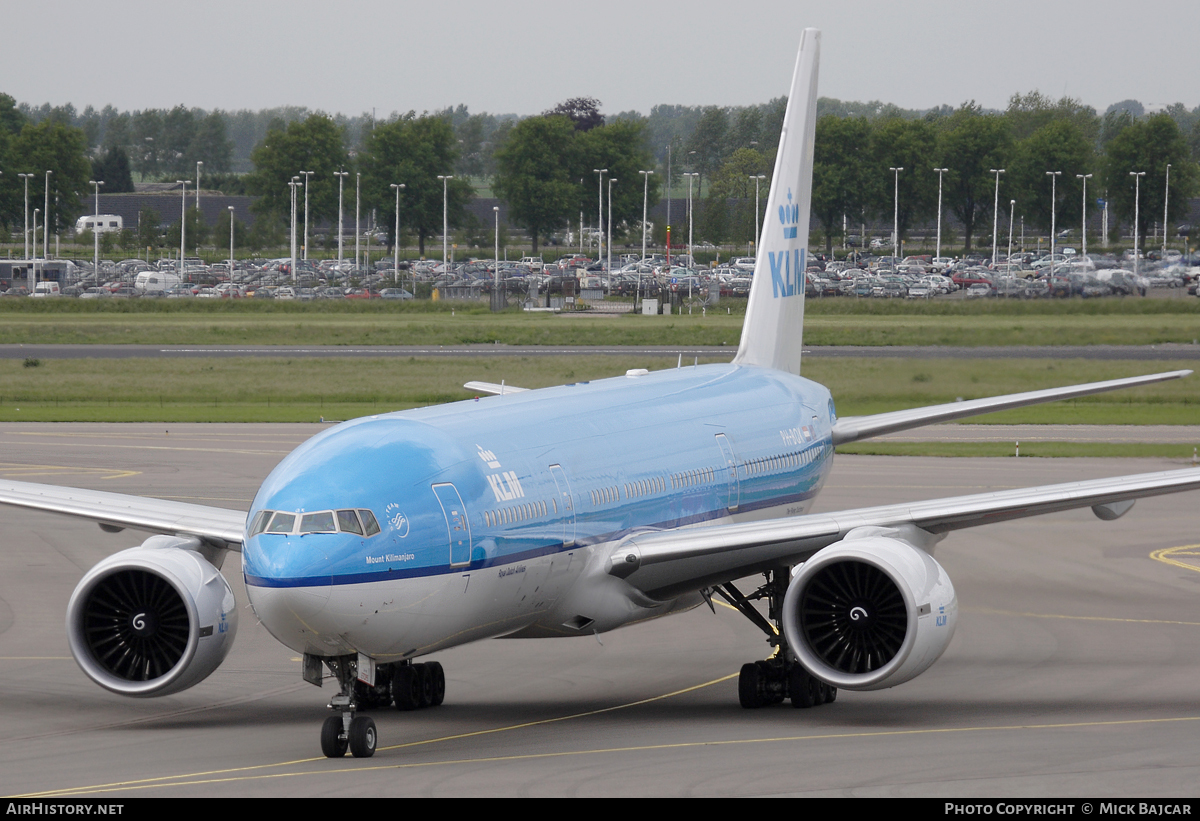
x=256, y=389
x=828, y=322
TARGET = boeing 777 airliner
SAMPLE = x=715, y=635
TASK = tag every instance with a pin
x=386, y=539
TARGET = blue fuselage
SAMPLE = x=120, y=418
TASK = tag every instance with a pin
x=529, y=485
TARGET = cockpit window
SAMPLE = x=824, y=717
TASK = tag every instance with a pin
x=361, y=522
x=320, y=522
x=281, y=523
x=348, y=522
x=260, y=522
x=369, y=522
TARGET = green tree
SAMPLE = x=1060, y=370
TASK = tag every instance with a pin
x=113, y=168
x=414, y=151
x=911, y=145
x=843, y=182
x=314, y=144
x=50, y=145
x=732, y=186
x=623, y=147
x=1150, y=145
x=178, y=132
x=149, y=232
x=536, y=175
x=220, y=232
x=1059, y=145
x=197, y=231
x=211, y=146
x=971, y=144
x=709, y=141
x=146, y=132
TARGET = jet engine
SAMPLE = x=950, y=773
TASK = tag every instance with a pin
x=152, y=620
x=871, y=611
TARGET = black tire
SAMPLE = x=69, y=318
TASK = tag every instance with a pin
x=406, y=688
x=750, y=686
x=425, y=683
x=438, y=677
x=332, y=744
x=818, y=691
x=770, y=683
x=800, y=687
x=363, y=737
x=830, y=694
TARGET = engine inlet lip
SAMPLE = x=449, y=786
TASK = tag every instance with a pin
x=82, y=652
x=799, y=644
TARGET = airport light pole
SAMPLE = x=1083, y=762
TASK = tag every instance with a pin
x=306, y=174
x=608, y=264
x=940, y=172
x=230, y=244
x=600, y=219
x=1012, y=210
x=198, y=164
x=357, y=217
x=33, y=267
x=45, y=221
x=995, y=212
x=397, y=187
x=1083, y=227
x=896, y=220
x=445, y=219
x=95, y=226
x=496, y=260
x=1137, y=199
x=757, y=179
x=26, y=177
x=341, y=175
x=1053, y=175
x=182, y=223
x=668, y=192
x=1166, y=199
x=645, y=202
x=294, y=184
x=692, y=175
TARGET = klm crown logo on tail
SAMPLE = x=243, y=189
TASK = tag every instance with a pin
x=787, y=266
x=789, y=215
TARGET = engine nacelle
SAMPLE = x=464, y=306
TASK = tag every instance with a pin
x=152, y=620
x=869, y=612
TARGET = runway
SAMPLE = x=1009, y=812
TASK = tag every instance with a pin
x=1073, y=671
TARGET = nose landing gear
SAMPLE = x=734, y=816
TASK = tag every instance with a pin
x=409, y=686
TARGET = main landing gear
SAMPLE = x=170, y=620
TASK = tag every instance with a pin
x=771, y=681
x=407, y=685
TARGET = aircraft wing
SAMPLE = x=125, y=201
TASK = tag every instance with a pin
x=493, y=388
x=666, y=563
x=117, y=511
x=853, y=428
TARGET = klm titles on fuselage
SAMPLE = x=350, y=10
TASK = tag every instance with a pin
x=787, y=266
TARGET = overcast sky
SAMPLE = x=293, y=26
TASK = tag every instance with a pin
x=523, y=56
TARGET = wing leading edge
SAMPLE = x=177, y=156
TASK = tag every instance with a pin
x=667, y=563
x=853, y=428
x=117, y=510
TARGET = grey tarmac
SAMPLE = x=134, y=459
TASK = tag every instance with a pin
x=1073, y=671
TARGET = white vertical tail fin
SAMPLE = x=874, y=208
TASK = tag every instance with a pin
x=773, y=333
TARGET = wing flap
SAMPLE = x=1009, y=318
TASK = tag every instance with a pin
x=853, y=428
x=118, y=510
x=666, y=563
